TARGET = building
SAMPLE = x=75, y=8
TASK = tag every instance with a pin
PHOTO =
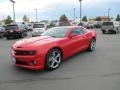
x=104, y=18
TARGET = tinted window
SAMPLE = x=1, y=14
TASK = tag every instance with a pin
x=107, y=23
x=78, y=31
x=9, y=27
x=56, y=32
x=38, y=26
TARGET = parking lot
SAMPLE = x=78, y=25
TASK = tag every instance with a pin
x=98, y=70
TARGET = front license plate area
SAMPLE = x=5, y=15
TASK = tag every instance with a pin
x=13, y=59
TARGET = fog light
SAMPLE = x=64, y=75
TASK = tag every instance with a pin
x=34, y=62
x=31, y=52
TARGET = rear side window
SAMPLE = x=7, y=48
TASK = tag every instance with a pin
x=107, y=23
x=9, y=27
x=78, y=31
x=38, y=26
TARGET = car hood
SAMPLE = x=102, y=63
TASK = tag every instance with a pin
x=34, y=42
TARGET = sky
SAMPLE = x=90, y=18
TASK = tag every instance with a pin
x=53, y=9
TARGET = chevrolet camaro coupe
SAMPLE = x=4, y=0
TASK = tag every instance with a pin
x=52, y=47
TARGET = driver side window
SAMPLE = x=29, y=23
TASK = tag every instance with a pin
x=75, y=31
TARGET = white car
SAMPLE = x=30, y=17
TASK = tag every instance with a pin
x=39, y=27
x=90, y=25
x=110, y=27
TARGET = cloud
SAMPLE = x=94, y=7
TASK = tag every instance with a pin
x=53, y=8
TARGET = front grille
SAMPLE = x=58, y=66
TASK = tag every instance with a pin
x=19, y=52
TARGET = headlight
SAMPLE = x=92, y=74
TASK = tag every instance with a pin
x=19, y=52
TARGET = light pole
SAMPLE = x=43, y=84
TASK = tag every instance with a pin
x=13, y=2
x=36, y=15
x=80, y=10
x=74, y=14
x=109, y=14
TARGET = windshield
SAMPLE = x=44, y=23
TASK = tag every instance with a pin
x=55, y=32
x=107, y=23
x=9, y=27
x=38, y=26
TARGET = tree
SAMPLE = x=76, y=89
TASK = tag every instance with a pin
x=63, y=21
x=25, y=18
x=98, y=19
x=8, y=20
x=84, y=19
x=118, y=18
x=63, y=18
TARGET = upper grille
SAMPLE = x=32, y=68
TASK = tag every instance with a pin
x=19, y=52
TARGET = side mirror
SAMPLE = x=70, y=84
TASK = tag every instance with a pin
x=73, y=35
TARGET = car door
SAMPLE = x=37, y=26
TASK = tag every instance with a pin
x=76, y=43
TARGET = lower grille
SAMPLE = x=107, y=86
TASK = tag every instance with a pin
x=21, y=62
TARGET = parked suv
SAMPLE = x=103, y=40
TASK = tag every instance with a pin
x=110, y=27
x=15, y=30
x=89, y=25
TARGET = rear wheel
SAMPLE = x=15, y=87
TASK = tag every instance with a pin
x=53, y=59
x=92, y=45
x=7, y=38
x=116, y=31
x=22, y=35
x=103, y=32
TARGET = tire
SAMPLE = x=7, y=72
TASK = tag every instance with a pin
x=92, y=45
x=7, y=38
x=25, y=33
x=103, y=32
x=53, y=59
x=22, y=35
x=115, y=32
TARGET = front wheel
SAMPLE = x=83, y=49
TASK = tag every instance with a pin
x=103, y=32
x=92, y=45
x=22, y=34
x=53, y=59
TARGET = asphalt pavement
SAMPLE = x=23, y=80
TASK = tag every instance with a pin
x=98, y=70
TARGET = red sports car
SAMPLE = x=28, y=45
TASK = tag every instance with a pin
x=52, y=47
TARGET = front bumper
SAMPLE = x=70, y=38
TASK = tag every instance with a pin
x=12, y=34
x=27, y=62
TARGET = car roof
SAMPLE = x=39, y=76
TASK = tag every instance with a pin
x=68, y=27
